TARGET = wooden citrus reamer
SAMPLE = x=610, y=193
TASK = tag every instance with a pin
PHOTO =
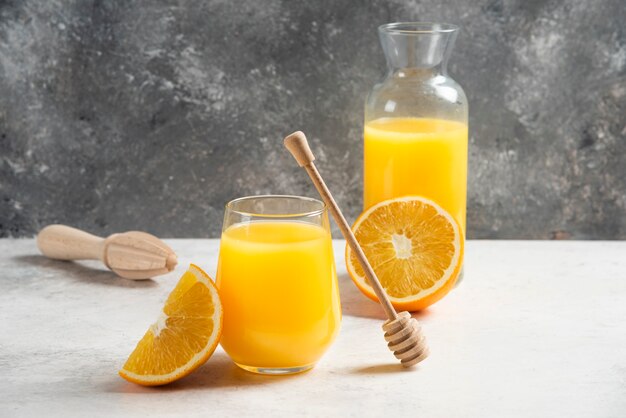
x=133, y=255
x=402, y=332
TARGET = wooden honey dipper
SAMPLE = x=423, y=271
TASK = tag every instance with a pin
x=402, y=332
x=133, y=255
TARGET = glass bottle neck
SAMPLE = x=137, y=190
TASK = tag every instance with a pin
x=417, y=48
x=416, y=72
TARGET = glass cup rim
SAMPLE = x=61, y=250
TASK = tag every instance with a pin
x=229, y=206
x=417, y=28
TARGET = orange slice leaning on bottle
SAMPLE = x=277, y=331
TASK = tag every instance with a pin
x=414, y=246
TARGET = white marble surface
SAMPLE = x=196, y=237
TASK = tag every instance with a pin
x=536, y=329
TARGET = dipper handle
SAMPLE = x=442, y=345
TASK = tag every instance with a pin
x=402, y=332
x=298, y=146
x=63, y=242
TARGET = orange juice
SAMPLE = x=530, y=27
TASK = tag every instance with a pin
x=417, y=156
x=278, y=288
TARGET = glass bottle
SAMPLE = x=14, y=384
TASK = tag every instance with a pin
x=415, y=135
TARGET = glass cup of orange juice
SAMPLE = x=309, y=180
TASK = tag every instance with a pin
x=277, y=282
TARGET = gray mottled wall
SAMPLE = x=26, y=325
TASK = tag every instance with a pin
x=152, y=114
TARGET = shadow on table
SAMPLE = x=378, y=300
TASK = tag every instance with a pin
x=387, y=368
x=218, y=372
x=83, y=271
x=355, y=303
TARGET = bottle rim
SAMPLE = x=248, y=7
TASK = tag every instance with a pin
x=417, y=28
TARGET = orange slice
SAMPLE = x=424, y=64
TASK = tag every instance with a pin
x=414, y=246
x=184, y=336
